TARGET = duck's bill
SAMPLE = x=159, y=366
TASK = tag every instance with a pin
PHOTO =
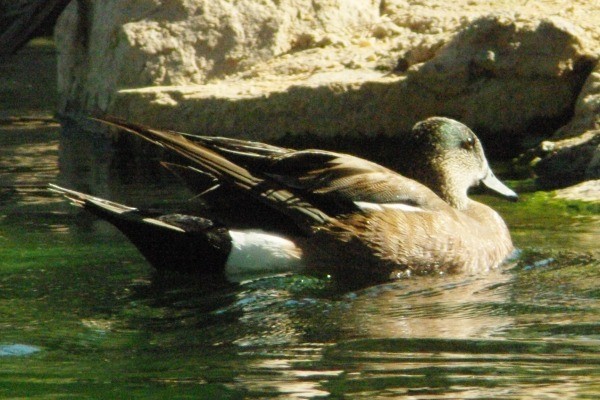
x=494, y=184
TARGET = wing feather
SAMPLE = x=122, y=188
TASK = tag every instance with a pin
x=310, y=186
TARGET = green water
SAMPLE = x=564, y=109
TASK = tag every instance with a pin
x=84, y=316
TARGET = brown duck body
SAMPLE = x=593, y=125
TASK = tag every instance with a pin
x=355, y=217
x=392, y=243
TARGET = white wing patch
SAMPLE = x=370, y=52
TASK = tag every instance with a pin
x=366, y=206
x=256, y=251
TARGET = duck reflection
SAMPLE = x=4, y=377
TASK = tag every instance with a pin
x=457, y=307
x=393, y=335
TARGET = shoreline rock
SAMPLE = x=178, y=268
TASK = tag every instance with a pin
x=574, y=150
x=585, y=191
x=330, y=68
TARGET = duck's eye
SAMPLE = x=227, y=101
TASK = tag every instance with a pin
x=468, y=144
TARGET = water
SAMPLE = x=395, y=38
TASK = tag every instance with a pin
x=84, y=316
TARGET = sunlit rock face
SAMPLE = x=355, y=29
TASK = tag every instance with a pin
x=513, y=71
x=106, y=46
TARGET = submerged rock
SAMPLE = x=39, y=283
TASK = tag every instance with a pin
x=263, y=70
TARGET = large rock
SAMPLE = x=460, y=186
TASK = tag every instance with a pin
x=108, y=45
x=262, y=69
x=503, y=74
x=574, y=152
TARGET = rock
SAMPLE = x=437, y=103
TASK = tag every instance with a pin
x=575, y=154
x=587, y=109
x=585, y=191
x=570, y=161
x=504, y=75
x=593, y=169
x=109, y=45
x=262, y=70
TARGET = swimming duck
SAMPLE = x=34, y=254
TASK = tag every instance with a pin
x=354, y=218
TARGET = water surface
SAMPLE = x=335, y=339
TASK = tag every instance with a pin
x=84, y=316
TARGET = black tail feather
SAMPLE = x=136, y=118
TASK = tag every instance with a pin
x=172, y=242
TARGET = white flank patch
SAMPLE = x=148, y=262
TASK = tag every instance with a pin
x=256, y=251
x=365, y=205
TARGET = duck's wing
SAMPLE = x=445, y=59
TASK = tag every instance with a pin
x=238, y=150
x=335, y=179
x=342, y=183
x=197, y=181
x=270, y=192
x=312, y=187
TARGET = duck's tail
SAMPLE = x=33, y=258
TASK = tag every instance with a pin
x=168, y=241
x=305, y=215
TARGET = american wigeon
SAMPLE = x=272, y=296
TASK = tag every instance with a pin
x=354, y=218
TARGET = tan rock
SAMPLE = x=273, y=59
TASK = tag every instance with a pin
x=262, y=69
x=502, y=74
x=109, y=45
x=575, y=153
x=592, y=171
x=587, y=109
x=570, y=161
x=585, y=191
x=483, y=76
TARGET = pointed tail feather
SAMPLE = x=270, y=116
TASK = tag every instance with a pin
x=109, y=210
x=81, y=199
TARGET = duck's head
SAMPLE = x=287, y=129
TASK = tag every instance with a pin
x=452, y=161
